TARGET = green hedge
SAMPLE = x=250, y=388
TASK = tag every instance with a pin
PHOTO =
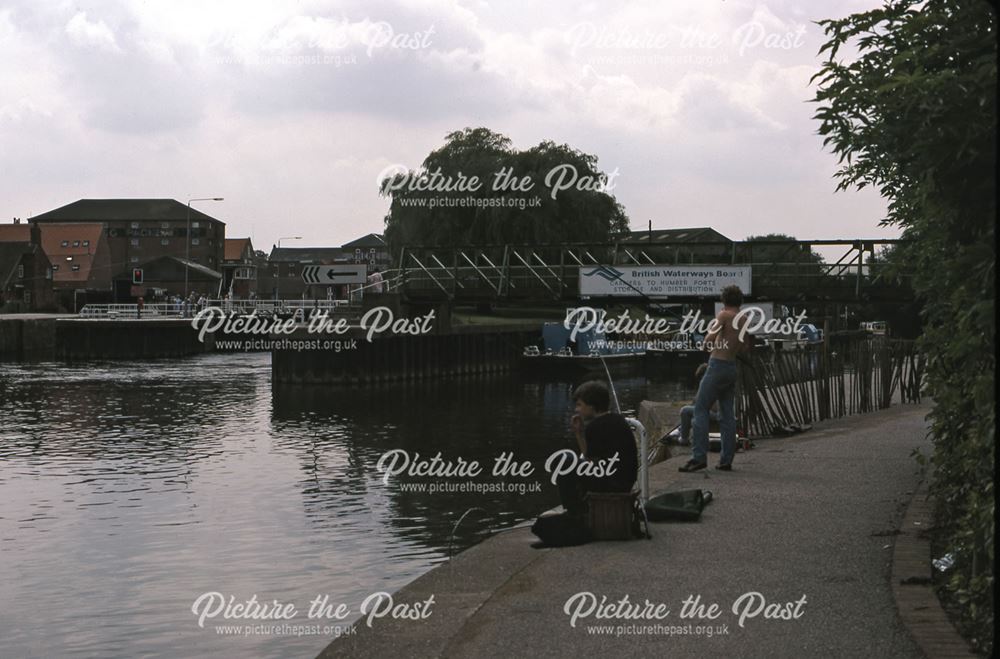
x=911, y=111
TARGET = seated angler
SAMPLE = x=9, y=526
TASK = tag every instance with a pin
x=602, y=437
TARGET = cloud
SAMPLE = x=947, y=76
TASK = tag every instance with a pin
x=90, y=34
x=290, y=108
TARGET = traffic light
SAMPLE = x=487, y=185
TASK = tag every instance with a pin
x=136, y=275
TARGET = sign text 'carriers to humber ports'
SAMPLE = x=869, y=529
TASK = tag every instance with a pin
x=661, y=280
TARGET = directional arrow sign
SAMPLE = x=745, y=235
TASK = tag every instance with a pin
x=334, y=274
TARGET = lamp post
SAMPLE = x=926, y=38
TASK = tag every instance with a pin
x=187, y=239
x=277, y=283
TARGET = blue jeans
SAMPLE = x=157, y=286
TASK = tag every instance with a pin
x=687, y=416
x=718, y=384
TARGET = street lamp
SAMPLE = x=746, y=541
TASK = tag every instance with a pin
x=187, y=239
x=277, y=283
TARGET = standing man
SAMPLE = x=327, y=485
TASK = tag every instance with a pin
x=725, y=341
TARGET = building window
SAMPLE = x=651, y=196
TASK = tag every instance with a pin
x=164, y=241
x=134, y=259
x=135, y=242
x=194, y=225
x=76, y=267
x=164, y=225
x=86, y=243
x=195, y=241
x=76, y=243
x=27, y=297
x=135, y=225
x=64, y=243
x=55, y=267
x=20, y=271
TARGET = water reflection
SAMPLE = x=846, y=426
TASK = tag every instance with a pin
x=127, y=490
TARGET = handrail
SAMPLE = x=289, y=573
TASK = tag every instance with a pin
x=171, y=309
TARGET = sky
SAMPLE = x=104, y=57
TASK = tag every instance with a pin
x=291, y=110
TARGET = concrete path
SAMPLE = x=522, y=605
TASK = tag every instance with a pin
x=811, y=516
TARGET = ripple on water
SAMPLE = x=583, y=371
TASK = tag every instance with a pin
x=127, y=490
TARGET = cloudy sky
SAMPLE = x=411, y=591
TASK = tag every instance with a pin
x=290, y=110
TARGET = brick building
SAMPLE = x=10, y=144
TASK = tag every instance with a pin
x=239, y=268
x=139, y=231
x=25, y=271
x=81, y=263
x=282, y=278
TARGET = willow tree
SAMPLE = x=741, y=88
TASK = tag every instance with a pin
x=547, y=194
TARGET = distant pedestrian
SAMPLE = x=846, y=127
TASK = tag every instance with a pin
x=138, y=307
x=375, y=279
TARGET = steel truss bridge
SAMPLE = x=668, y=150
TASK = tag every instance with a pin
x=781, y=270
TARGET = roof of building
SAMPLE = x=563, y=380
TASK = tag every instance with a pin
x=235, y=247
x=171, y=268
x=70, y=244
x=371, y=240
x=132, y=210
x=307, y=254
x=10, y=257
x=689, y=235
x=15, y=233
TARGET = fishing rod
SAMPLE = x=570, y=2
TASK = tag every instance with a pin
x=611, y=384
x=636, y=425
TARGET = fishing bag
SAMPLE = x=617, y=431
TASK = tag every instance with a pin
x=681, y=506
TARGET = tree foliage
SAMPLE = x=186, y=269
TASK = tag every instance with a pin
x=781, y=253
x=586, y=212
x=790, y=268
x=914, y=115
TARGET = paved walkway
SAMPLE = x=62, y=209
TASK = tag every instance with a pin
x=809, y=516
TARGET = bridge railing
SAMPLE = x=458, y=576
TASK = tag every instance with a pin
x=180, y=310
x=552, y=271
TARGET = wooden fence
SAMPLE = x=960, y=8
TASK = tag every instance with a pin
x=842, y=376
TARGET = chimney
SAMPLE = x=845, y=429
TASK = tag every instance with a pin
x=36, y=234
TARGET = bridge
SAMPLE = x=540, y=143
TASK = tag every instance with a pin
x=781, y=270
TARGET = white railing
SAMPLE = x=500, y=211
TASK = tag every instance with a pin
x=181, y=310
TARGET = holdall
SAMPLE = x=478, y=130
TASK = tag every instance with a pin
x=681, y=506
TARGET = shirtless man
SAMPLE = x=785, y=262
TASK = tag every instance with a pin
x=719, y=384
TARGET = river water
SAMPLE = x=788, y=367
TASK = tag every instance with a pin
x=127, y=490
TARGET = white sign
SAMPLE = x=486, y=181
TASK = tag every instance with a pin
x=662, y=280
x=334, y=274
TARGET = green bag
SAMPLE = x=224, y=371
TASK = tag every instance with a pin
x=682, y=506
